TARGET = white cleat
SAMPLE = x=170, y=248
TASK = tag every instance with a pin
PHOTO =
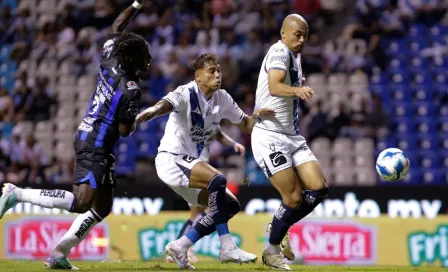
x=275, y=261
x=237, y=255
x=179, y=255
x=191, y=257
x=285, y=245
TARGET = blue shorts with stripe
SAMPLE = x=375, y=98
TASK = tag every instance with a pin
x=94, y=166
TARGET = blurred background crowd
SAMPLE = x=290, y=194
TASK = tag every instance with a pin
x=379, y=68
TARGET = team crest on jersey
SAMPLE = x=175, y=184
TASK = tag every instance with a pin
x=132, y=85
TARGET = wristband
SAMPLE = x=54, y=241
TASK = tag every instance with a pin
x=137, y=5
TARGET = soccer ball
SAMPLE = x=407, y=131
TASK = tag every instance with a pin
x=392, y=164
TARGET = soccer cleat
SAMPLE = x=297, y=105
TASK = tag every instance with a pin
x=8, y=198
x=179, y=255
x=237, y=255
x=275, y=261
x=56, y=263
x=285, y=245
x=191, y=257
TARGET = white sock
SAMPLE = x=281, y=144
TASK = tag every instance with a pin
x=273, y=249
x=184, y=242
x=227, y=242
x=47, y=198
x=77, y=233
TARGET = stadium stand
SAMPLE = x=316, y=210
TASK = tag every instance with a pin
x=372, y=92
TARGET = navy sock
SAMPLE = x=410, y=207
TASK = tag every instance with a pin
x=217, y=200
x=205, y=226
x=185, y=228
x=283, y=219
x=310, y=201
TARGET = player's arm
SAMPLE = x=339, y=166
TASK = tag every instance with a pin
x=276, y=78
x=160, y=108
x=226, y=140
x=127, y=112
x=125, y=16
x=249, y=122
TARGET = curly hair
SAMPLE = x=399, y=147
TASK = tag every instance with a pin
x=132, y=50
x=204, y=59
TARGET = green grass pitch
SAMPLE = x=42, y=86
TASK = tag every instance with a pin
x=27, y=266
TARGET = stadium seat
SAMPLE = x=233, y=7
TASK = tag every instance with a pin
x=426, y=125
x=429, y=159
x=404, y=125
x=402, y=109
x=343, y=176
x=423, y=109
x=342, y=161
x=342, y=146
x=401, y=93
x=146, y=148
x=397, y=47
x=316, y=80
x=421, y=93
x=427, y=142
x=364, y=146
x=432, y=176
x=442, y=124
x=365, y=176
x=443, y=141
x=320, y=145
x=405, y=142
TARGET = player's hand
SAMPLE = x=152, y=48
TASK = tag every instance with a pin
x=263, y=112
x=239, y=148
x=304, y=93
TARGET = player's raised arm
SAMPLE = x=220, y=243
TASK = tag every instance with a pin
x=125, y=16
x=173, y=101
x=226, y=140
x=160, y=108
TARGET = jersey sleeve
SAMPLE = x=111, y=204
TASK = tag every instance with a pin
x=277, y=58
x=109, y=49
x=129, y=102
x=231, y=111
x=178, y=98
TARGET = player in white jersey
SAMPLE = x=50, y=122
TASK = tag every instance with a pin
x=277, y=146
x=196, y=111
x=197, y=212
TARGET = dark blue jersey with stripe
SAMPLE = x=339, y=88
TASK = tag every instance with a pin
x=114, y=101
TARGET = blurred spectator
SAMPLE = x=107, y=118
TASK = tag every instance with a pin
x=377, y=118
x=39, y=107
x=230, y=73
x=21, y=98
x=390, y=22
x=252, y=53
x=6, y=21
x=156, y=86
x=6, y=106
x=170, y=66
x=63, y=172
x=86, y=59
x=339, y=122
x=32, y=160
x=318, y=124
x=312, y=55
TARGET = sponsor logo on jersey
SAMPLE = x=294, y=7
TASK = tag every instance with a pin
x=277, y=158
x=188, y=158
x=132, y=85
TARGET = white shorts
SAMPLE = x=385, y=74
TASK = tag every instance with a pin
x=175, y=171
x=275, y=151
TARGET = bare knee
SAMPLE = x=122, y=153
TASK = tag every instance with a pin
x=293, y=199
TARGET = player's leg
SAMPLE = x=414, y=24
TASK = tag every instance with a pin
x=196, y=213
x=315, y=189
x=310, y=174
x=79, y=201
x=83, y=223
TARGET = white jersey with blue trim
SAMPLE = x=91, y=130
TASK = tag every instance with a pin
x=195, y=119
x=286, y=119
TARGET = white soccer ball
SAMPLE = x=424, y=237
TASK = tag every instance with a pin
x=392, y=164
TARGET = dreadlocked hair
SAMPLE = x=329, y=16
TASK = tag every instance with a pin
x=204, y=59
x=130, y=49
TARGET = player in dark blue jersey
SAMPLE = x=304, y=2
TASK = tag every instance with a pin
x=110, y=114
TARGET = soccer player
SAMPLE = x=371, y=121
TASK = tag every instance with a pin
x=195, y=112
x=197, y=212
x=277, y=146
x=111, y=114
